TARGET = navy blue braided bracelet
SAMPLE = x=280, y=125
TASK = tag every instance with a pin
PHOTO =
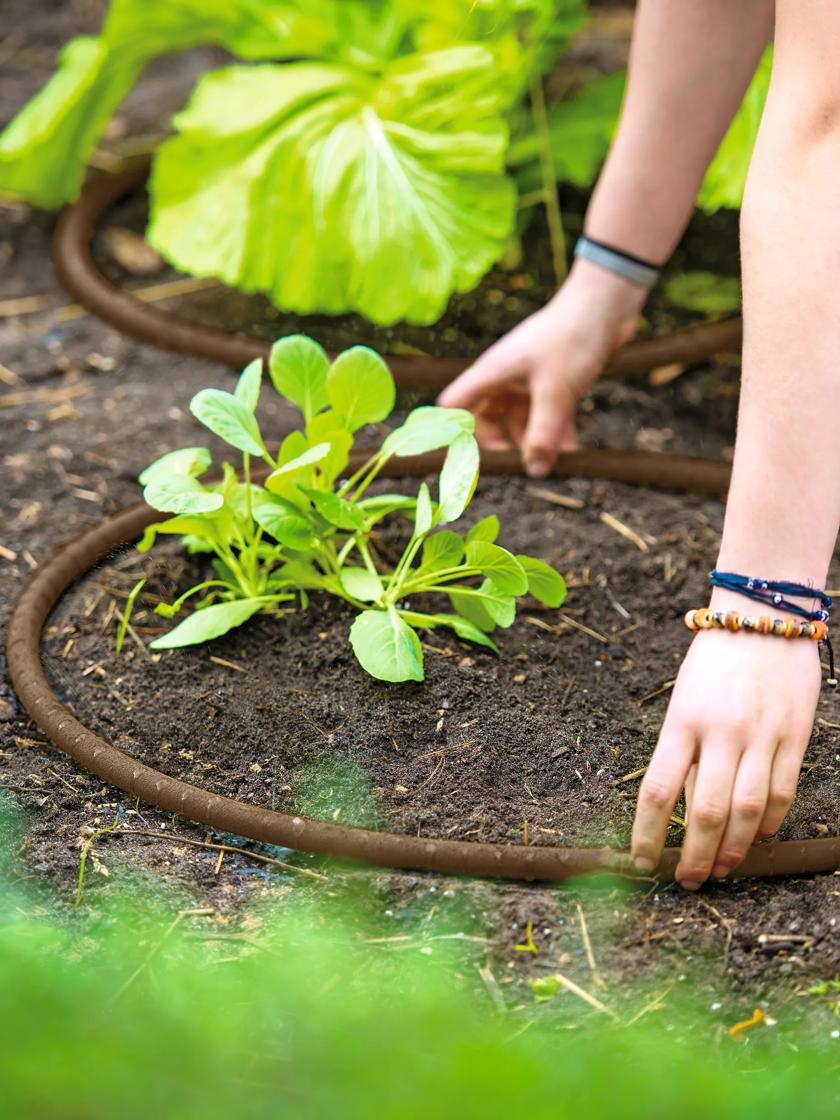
x=774, y=593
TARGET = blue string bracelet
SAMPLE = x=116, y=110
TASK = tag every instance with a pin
x=775, y=593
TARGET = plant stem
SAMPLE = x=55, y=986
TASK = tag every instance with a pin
x=354, y=478
x=551, y=199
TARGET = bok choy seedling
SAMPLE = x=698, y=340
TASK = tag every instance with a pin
x=308, y=525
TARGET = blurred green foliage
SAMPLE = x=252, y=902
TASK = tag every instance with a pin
x=705, y=292
x=303, y=1009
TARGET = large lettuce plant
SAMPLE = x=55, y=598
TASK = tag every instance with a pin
x=311, y=527
x=367, y=172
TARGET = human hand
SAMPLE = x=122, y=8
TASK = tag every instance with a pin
x=734, y=736
x=524, y=390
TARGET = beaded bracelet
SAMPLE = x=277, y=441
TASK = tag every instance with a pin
x=705, y=619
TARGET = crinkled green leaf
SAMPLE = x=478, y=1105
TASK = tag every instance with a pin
x=392, y=191
x=180, y=493
x=228, y=418
x=361, y=584
x=544, y=583
x=581, y=130
x=499, y=565
x=283, y=521
x=208, y=623
x=298, y=368
x=427, y=428
x=442, y=550
x=360, y=387
x=386, y=646
x=193, y=461
x=248, y=386
x=487, y=529
x=44, y=151
x=458, y=477
x=423, y=514
x=726, y=177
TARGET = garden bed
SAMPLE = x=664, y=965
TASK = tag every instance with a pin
x=534, y=746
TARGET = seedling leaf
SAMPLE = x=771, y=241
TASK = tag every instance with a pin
x=228, y=418
x=386, y=646
x=298, y=368
x=208, y=623
x=192, y=461
x=459, y=477
x=248, y=386
x=544, y=583
x=360, y=387
x=506, y=572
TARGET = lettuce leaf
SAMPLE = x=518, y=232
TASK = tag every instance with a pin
x=45, y=149
x=331, y=188
x=726, y=177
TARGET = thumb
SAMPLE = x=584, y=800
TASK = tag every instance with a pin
x=550, y=423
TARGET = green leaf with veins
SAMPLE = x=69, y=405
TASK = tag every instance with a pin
x=326, y=428
x=192, y=461
x=337, y=511
x=228, y=418
x=208, y=623
x=178, y=526
x=386, y=646
x=458, y=477
x=442, y=550
x=360, y=387
x=394, y=187
x=544, y=583
x=427, y=428
x=487, y=529
x=483, y=603
x=283, y=521
x=299, y=466
x=462, y=626
x=248, y=386
x=423, y=514
x=180, y=493
x=361, y=584
x=507, y=574
x=298, y=368
x=299, y=574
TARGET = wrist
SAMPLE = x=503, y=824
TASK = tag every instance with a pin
x=606, y=289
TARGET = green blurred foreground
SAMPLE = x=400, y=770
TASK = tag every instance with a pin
x=122, y=1012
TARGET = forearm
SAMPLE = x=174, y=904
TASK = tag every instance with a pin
x=690, y=63
x=784, y=504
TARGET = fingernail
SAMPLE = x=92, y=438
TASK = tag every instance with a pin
x=538, y=468
x=719, y=871
x=644, y=864
x=689, y=885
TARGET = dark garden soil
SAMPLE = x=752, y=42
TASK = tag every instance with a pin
x=284, y=716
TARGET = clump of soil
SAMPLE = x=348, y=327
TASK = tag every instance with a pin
x=539, y=739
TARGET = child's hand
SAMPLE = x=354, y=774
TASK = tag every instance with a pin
x=737, y=728
x=524, y=390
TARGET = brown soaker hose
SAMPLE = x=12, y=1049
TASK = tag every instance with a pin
x=85, y=282
x=382, y=848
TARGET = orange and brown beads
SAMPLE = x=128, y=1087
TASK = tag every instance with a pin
x=705, y=619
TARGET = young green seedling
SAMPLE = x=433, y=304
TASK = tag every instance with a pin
x=309, y=528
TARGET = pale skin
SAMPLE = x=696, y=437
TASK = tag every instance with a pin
x=742, y=709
